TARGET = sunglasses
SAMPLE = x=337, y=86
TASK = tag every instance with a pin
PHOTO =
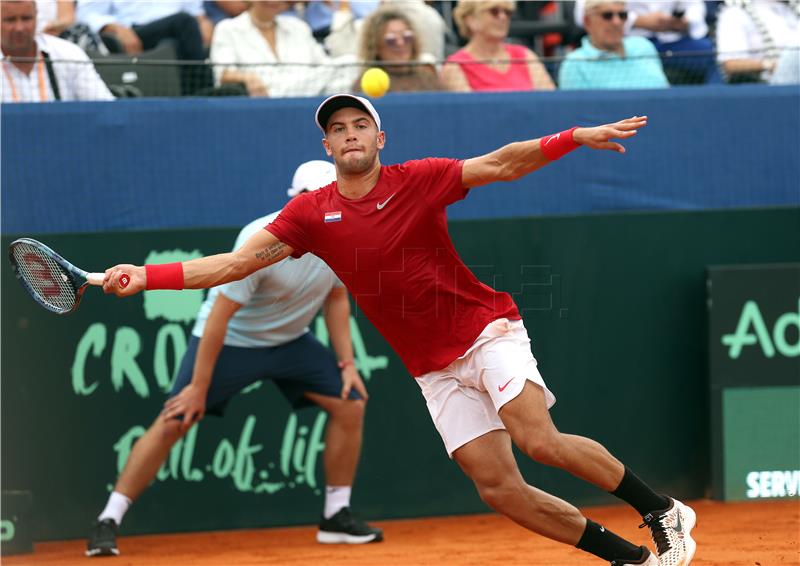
x=495, y=11
x=396, y=39
x=609, y=15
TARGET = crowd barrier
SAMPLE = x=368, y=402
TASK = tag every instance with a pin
x=160, y=164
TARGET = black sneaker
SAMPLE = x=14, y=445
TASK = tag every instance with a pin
x=346, y=528
x=103, y=539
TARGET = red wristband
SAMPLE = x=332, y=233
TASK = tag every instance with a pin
x=558, y=145
x=344, y=363
x=164, y=276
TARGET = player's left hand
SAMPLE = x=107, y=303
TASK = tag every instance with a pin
x=351, y=379
x=599, y=137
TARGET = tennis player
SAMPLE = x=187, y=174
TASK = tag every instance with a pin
x=383, y=231
x=252, y=330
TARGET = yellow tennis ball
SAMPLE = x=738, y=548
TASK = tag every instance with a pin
x=375, y=82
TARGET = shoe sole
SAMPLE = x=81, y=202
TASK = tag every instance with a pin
x=326, y=537
x=103, y=552
x=689, y=524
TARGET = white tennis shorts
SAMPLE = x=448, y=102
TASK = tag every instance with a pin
x=465, y=397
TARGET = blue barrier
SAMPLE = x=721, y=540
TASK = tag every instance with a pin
x=161, y=164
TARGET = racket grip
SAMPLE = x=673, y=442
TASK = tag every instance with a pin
x=97, y=279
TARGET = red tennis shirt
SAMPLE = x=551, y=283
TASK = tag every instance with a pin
x=392, y=250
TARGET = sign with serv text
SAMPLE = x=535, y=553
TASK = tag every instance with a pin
x=754, y=350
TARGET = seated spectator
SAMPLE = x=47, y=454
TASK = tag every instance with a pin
x=140, y=25
x=488, y=62
x=752, y=38
x=609, y=59
x=674, y=27
x=429, y=24
x=345, y=28
x=218, y=10
x=389, y=39
x=41, y=67
x=258, y=47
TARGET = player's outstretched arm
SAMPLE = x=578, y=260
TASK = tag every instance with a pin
x=261, y=250
x=517, y=159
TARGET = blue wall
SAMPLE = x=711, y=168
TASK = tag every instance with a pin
x=159, y=164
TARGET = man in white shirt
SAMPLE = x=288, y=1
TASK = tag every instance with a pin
x=141, y=25
x=43, y=68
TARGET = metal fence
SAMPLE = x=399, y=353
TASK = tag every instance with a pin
x=144, y=76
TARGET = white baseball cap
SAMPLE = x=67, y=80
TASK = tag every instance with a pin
x=312, y=175
x=339, y=101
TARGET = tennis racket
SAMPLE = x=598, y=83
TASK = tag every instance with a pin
x=52, y=281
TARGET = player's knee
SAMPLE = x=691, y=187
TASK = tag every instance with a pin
x=498, y=494
x=545, y=449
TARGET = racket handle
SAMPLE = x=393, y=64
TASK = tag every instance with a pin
x=97, y=279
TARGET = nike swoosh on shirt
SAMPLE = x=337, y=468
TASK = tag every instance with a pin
x=380, y=205
x=501, y=388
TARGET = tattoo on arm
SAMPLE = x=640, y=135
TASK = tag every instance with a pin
x=271, y=252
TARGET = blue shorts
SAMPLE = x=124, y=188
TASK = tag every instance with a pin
x=297, y=367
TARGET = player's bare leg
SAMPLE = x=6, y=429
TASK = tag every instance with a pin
x=342, y=451
x=528, y=422
x=489, y=462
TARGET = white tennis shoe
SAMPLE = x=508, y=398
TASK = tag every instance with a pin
x=671, y=530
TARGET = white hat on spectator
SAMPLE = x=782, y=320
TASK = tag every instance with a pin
x=339, y=101
x=312, y=175
x=589, y=4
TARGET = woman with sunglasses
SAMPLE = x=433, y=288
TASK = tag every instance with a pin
x=390, y=42
x=488, y=62
x=607, y=59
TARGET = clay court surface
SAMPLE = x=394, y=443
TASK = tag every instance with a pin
x=733, y=534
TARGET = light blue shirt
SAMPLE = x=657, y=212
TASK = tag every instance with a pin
x=278, y=302
x=99, y=13
x=319, y=16
x=592, y=68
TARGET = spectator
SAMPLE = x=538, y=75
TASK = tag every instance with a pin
x=674, y=27
x=752, y=38
x=488, y=62
x=50, y=68
x=609, y=59
x=257, y=48
x=218, y=10
x=428, y=23
x=143, y=25
x=389, y=38
x=345, y=28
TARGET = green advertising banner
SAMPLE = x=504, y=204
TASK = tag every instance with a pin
x=754, y=353
x=614, y=305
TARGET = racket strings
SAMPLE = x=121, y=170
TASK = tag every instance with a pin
x=45, y=277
